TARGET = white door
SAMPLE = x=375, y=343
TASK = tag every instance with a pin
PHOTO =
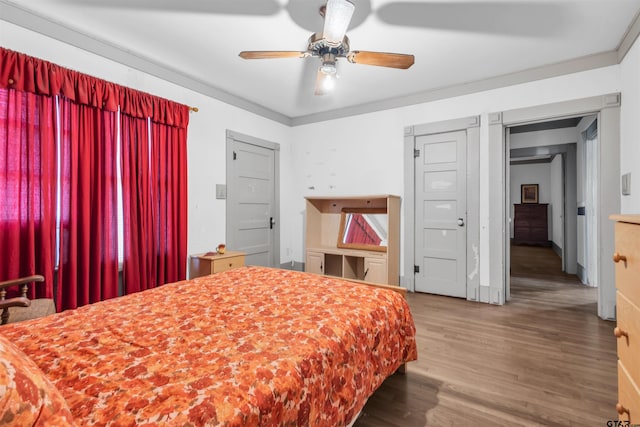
x=440, y=252
x=251, y=201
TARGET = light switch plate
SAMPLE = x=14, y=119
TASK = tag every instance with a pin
x=221, y=191
x=626, y=184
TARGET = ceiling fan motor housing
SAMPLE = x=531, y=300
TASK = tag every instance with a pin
x=319, y=46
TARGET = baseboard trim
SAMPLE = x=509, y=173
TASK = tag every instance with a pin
x=293, y=265
x=557, y=249
x=582, y=274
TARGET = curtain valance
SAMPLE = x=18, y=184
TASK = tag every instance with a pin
x=28, y=74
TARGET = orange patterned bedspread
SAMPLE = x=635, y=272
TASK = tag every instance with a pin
x=249, y=347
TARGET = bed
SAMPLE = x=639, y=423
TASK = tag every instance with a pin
x=252, y=346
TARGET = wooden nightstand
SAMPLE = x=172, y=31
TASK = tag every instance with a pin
x=202, y=265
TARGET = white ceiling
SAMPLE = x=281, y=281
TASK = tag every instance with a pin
x=196, y=43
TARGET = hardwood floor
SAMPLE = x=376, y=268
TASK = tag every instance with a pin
x=544, y=358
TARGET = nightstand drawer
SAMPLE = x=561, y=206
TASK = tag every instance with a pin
x=205, y=264
x=224, y=264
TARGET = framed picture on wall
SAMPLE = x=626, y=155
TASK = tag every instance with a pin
x=529, y=193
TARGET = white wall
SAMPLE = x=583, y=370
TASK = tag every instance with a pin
x=355, y=155
x=630, y=127
x=533, y=173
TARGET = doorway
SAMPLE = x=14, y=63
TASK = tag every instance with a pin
x=607, y=110
x=548, y=232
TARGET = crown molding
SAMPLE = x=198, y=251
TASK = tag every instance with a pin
x=629, y=38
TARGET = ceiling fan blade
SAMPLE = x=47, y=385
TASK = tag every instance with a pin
x=518, y=18
x=381, y=59
x=324, y=83
x=270, y=54
x=336, y=20
x=222, y=7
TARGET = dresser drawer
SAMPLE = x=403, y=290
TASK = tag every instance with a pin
x=628, y=333
x=628, y=272
x=225, y=264
x=628, y=397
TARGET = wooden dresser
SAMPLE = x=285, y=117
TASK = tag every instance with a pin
x=203, y=264
x=627, y=259
x=530, y=224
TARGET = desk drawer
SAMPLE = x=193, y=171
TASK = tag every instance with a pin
x=628, y=272
x=225, y=264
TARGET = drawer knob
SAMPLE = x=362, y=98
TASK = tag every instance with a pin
x=617, y=257
x=619, y=333
x=621, y=409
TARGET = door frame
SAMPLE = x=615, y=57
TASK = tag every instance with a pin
x=471, y=125
x=607, y=108
x=232, y=136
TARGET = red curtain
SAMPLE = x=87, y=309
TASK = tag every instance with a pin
x=169, y=193
x=88, y=269
x=154, y=198
x=154, y=188
x=139, y=262
x=27, y=188
x=361, y=232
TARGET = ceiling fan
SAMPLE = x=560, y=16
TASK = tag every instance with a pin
x=331, y=44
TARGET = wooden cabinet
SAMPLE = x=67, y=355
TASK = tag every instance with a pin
x=202, y=264
x=375, y=270
x=323, y=256
x=315, y=262
x=530, y=224
x=627, y=330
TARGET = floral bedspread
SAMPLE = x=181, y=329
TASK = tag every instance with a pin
x=248, y=347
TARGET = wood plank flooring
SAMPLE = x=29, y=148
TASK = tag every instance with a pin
x=544, y=358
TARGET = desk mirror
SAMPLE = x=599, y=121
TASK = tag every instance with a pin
x=364, y=228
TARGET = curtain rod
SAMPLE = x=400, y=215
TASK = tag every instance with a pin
x=194, y=109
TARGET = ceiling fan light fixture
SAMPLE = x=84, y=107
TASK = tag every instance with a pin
x=337, y=17
x=328, y=69
x=328, y=66
x=328, y=83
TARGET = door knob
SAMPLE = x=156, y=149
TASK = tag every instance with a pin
x=460, y=222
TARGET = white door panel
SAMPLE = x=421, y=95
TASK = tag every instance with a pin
x=440, y=215
x=251, y=201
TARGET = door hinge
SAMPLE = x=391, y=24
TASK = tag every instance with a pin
x=416, y=153
x=416, y=269
x=235, y=155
